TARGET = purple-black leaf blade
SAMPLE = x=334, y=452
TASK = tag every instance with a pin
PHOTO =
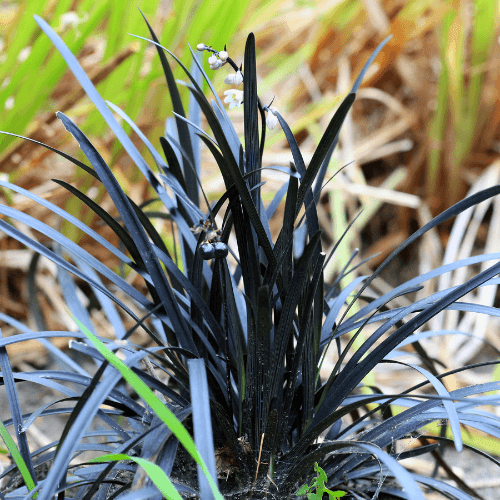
x=137, y=232
x=202, y=423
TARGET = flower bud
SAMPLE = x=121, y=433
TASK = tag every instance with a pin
x=201, y=46
x=216, y=65
x=212, y=59
x=271, y=119
x=223, y=55
x=234, y=78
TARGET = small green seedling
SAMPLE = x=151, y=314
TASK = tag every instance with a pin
x=318, y=483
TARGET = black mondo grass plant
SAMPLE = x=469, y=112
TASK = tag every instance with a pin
x=239, y=331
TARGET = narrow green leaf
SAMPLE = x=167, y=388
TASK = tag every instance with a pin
x=18, y=459
x=159, y=478
x=168, y=418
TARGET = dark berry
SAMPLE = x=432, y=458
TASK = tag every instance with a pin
x=221, y=250
x=206, y=251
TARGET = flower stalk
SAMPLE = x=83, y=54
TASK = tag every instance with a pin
x=234, y=97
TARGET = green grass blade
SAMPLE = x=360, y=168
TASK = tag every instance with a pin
x=168, y=418
x=155, y=473
x=18, y=459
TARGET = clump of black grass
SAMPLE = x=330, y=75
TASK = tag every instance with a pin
x=259, y=321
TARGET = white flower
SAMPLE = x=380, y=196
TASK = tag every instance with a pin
x=234, y=78
x=233, y=97
x=223, y=55
x=201, y=46
x=271, y=119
